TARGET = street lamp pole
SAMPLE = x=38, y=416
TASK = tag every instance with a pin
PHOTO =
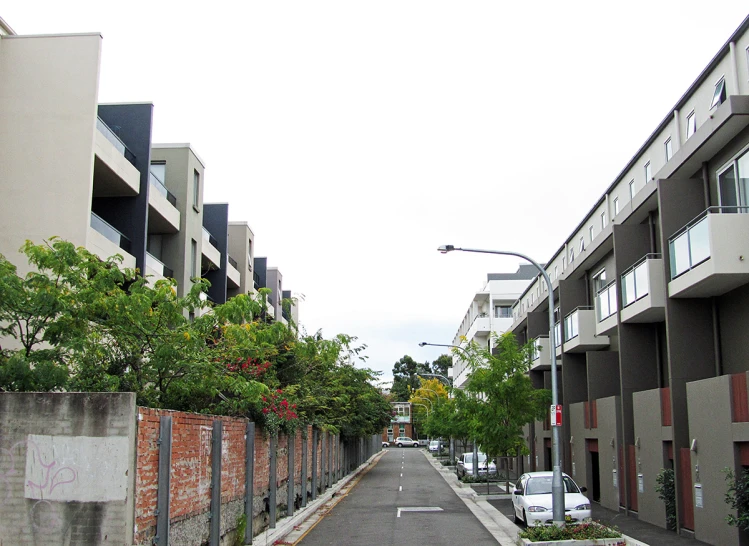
x=557, y=485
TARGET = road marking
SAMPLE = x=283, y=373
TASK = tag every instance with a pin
x=401, y=474
x=419, y=509
x=400, y=488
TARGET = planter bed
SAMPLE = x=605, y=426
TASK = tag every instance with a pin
x=612, y=541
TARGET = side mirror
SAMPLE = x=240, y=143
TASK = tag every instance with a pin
x=583, y=489
x=518, y=492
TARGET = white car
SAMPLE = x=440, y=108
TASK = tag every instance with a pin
x=405, y=441
x=531, y=500
x=464, y=466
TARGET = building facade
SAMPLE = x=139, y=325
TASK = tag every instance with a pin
x=401, y=424
x=489, y=313
x=652, y=305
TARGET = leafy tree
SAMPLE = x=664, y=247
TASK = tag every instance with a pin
x=737, y=498
x=441, y=365
x=666, y=489
x=500, y=397
x=406, y=377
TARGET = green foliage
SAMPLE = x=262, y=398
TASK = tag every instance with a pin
x=737, y=498
x=241, y=529
x=406, y=377
x=78, y=323
x=582, y=531
x=500, y=398
x=666, y=489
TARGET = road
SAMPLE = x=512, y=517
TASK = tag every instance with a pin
x=430, y=511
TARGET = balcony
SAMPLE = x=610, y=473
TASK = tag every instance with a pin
x=156, y=269
x=210, y=252
x=644, y=291
x=105, y=241
x=163, y=216
x=580, y=332
x=606, y=309
x=481, y=326
x=114, y=172
x=710, y=255
x=558, y=338
x=232, y=273
x=540, y=355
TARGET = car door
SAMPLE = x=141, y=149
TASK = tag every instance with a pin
x=516, y=499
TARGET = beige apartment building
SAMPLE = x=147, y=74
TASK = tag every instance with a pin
x=652, y=309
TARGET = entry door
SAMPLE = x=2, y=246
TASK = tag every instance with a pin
x=685, y=477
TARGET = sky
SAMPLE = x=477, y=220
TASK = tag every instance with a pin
x=355, y=137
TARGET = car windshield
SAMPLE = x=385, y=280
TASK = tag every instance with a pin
x=542, y=486
x=469, y=458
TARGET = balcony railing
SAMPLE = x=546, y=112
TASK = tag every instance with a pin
x=256, y=281
x=572, y=324
x=161, y=188
x=210, y=238
x=537, y=347
x=606, y=303
x=558, y=334
x=110, y=232
x=115, y=140
x=636, y=280
x=233, y=262
x=690, y=246
x=157, y=265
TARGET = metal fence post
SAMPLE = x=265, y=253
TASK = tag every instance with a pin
x=165, y=467
x=314, y=463
x=304, y=467
x=324, y=459
x=215, y=533
x=290, y=482
x=273, y=482
x=249, y=480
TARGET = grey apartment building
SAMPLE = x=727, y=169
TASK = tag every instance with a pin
x=89, y=173
x=652, y=315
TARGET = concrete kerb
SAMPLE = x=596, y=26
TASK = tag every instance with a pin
x=297, y=524
x=503, y=530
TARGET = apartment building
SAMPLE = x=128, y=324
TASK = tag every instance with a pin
x=652, y=308
x=490, y=312
x=401, y=423
x=89, y=173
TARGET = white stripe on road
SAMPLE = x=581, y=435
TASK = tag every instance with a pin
x=419, y=509
x=400, y=488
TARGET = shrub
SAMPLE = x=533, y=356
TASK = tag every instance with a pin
x=664, y=486
x=737, y=498
x=582, y=531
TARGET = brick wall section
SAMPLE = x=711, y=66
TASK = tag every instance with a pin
x=190, y=489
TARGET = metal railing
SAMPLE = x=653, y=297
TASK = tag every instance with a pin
x=256, y=280
x=233, y=262
x=636, y=280
x=112, y=137
x=690, y=246
x=535, y=352
x=110, y=232
x=157, y=265
x=558, y=334
x=210, y=238
x=161, y=188
x=606, y=303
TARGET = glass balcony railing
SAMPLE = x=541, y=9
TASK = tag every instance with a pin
x=210, y=238
x=110, y=232
x=558, y=334
x=535, y=352
x=115, y=140
x=233, y=262
x=161, y=188
x=572, y=323
x=606, y=303
x=636, y=280
x=157, y=265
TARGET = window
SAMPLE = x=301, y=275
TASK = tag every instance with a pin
x=632, y=189
x=572, y=255
x=616, y=206
x=599, y=280
x=691, y=124
x=590, y=232
x=193, y=258
x=556, y=271
x=719, y=95
x=502, y=311
x=582, y=244
x=158, y=170
x=196, y=190
x=648, y=172
x=733, y=184
x=669, y=150
x=603, y=220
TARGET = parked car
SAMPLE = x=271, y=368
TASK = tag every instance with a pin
x=531, y=500
x=436, y=445
x=402, y=441
x=465, y=465
x=385, y=444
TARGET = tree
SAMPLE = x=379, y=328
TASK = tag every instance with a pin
x=501, y=399
x=406, y=377
x=442, y=364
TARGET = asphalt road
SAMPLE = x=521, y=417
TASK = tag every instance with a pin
x=403, y=478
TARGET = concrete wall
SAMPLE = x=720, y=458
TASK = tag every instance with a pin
x=608, y=423
x=67, y=463
x=650, y=454
x=713, y=436
x=48, y=94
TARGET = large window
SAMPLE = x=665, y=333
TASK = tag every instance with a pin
x=733, y=183
x=502, y=311
x=196, y=190
x=669, y=149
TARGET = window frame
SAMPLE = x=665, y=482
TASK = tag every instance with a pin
x=582, y=243
x=669, y=149
x=616, y=206
x=719, y=93
x=631, y=187
x=691, y=124
x=648, y=172
x=196, y=190
x=590, y=232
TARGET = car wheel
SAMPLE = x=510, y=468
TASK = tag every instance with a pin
x=400, y=445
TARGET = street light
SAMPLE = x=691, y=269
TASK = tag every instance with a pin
x=557, y=486
x=424, y=344
x=448, y=381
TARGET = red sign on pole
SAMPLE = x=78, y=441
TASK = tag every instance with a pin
x=556, y=415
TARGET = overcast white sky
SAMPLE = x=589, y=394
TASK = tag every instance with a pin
x=356, y=137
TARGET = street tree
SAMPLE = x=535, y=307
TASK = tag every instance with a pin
x=406, y=377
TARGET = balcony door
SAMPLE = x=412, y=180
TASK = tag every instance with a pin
x=733, y=184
